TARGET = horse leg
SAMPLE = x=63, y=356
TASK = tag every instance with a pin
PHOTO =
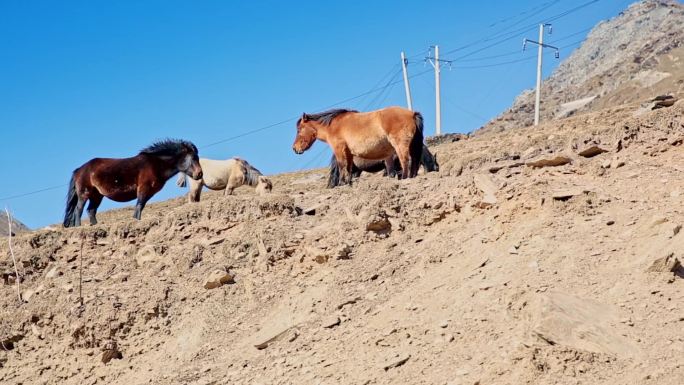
x=390, y=171
x=403, y=155
x=233, y=183
x=79, y=210
x=194, y=190
x=140, y=204
x=345, y=163
x=93, y=204
x=348, y=166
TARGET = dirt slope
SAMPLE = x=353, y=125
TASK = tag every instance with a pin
x=628, y=59
x=492, y=271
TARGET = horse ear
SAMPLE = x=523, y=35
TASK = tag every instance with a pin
x=305, y=117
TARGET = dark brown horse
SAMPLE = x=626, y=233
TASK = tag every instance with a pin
x=376, y=135
x=427, y=159
x=123, y=180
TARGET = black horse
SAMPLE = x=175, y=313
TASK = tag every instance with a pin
x=427, y=159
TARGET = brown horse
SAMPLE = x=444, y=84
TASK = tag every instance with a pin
x=376, y=135
x=123, y=180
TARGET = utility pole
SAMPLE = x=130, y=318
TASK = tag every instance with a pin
x=407, y=87
x=540, y=53
x=435, y=61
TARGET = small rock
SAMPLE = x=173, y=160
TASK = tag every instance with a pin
x=110, y=352
x=293, y=336
x=610, y=222
x=331, y=322
x=666, y=264
x=606, y=163
x=617, y=163
x=550, y=161
x=485, y=184
x=564, y=195
x=343, y=251
x=379, y=223
x=397, y=361
x=444, y=324
x=53, y=273
x=217, y=278
x=592, y=151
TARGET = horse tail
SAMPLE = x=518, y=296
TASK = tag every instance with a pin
x=181, y=181
x=334, y=175
x=71, y=201
x=416, y=146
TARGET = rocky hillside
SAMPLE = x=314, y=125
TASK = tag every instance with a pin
x=17, y=227
x=544, y=255
x=630, y=58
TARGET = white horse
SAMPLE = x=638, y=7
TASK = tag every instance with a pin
x=225, y=175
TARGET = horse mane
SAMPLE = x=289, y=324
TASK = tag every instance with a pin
x=169, y=147
x=326, y=117
x=251, y=173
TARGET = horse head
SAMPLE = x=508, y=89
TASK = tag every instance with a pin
x=188, y=162
x=306, y=134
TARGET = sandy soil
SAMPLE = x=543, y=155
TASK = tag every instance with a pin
x=520, y=262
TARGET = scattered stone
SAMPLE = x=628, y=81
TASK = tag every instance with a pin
x=666, y=264
x=663, y=101
x=549, y=161
x=312, y=210
x=343, y=251
x=330, y=322
x=264, y=340
x=218, y=278
x=147, y=254
x=592, y=151
x=564, y=195
x=444, y=324
x=610, y=222
x=111, y=351
x=488, y=188
x=53, y=272
x=617, y=163
x=379, y=223
x=499, y=166
x=397, y=361
x=293, y=336
x=513, y=251
x=606, y=163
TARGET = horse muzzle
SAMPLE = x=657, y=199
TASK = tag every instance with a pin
x=198, y=176
x=297, y=151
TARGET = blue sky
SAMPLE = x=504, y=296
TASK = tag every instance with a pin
x=84, y=79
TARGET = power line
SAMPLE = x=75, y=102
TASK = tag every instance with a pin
x=517, y=52
x=515, y=33
x=32, y=192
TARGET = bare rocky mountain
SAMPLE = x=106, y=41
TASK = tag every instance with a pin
x=630, y=58
x=17, y=227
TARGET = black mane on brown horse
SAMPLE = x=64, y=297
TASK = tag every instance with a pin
x=326, y=117
x=169, y=147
